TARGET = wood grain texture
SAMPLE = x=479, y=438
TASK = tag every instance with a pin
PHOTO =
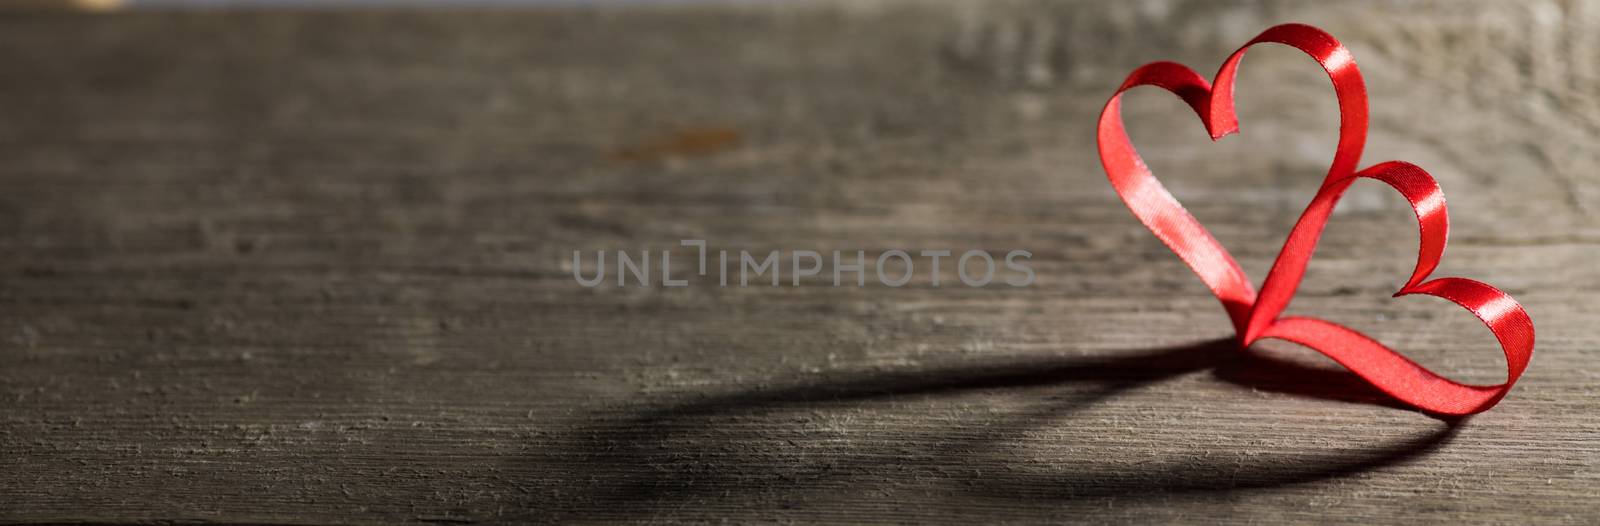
x=315, y=267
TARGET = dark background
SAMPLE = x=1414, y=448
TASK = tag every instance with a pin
x=314, y=266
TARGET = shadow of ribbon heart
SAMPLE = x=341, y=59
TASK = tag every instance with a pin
x=1256, y=316
x=708, y=449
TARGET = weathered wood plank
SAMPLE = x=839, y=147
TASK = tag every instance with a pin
x=316, y=267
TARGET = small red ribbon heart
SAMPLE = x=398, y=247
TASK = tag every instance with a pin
x=1256, y=316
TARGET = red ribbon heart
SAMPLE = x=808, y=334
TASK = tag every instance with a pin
x=1256, y=316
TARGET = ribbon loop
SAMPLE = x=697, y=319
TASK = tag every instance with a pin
x=1256, y=316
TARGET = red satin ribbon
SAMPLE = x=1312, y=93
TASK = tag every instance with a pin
x=1256, y=316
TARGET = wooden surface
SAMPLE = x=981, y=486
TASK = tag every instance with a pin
x=315, y=267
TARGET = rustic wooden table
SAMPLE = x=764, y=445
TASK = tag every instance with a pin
x=316, y=266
